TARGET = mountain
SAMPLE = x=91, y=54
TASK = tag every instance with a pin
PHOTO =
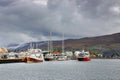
x=25, y=46
x=111, y=41
x=100, y=42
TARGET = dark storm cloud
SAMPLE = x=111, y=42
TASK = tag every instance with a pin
x=24, y=20
x=97, y=8
x=6, y=2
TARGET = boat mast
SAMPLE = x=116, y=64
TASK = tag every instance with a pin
x=50, y=46
x=63, y=43
x=30, y=45
x=36, y=46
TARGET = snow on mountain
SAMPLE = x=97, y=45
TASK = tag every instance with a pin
x=25, y=46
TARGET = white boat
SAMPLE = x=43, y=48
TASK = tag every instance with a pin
x=62, y=58
x=48, y=56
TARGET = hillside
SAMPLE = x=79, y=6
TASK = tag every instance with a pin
x=107, y=41
x=100, y=42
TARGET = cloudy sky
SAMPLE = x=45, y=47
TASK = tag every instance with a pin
x=31, y=20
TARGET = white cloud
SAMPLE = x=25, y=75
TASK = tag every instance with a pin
x=115, y=9
x=14, y=37
x=41, y=2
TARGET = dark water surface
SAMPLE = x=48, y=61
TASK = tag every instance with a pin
x=96, y=69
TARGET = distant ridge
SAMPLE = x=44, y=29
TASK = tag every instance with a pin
x=107, y=41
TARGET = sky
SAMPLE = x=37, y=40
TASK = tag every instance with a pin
x=23, y=21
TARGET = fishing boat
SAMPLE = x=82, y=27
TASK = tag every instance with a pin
x=48, y=56
x=83, y=56
x=34, y=55
x=62, y=58
x=10, y=58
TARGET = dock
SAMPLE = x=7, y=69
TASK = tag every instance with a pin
x=16, y=60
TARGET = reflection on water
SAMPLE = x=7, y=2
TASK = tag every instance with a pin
x=96, y=69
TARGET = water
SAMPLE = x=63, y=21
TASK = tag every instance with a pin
x=97, y=69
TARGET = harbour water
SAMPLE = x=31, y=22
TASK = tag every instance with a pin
x=96, y=69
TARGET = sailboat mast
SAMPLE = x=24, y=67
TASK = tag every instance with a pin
x=63, y=44
x=36, y=46
x=50, y=43
x=31, y=45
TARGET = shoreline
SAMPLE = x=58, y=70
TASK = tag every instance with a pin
x=104, y=58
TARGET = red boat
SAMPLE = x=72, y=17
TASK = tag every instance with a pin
x=84, y=56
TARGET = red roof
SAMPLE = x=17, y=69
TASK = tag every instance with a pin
x=56, y=52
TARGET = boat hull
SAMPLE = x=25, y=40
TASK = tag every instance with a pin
x=84, y=59
x=10, y=61
x=48, y=59
x=32, y=60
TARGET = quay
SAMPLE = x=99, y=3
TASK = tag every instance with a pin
x=10, y=60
